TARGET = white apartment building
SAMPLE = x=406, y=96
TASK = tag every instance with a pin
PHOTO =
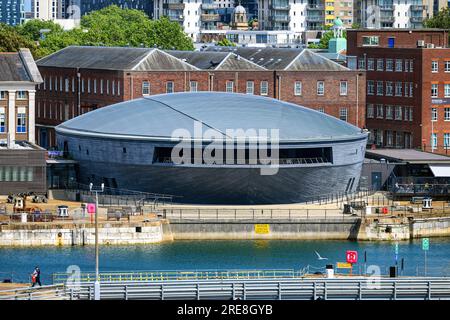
x=289, y=15
x=64, y=12
x=395, y=13
x=193, y=15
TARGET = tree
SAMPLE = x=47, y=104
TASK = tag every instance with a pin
x=226, y=43
x=325, y=39
x=441, y=20
x=12, y=41
x=166, y=34
x=32, y=28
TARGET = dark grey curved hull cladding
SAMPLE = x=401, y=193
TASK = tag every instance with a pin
x=128, y=162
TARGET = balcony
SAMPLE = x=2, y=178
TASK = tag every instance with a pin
x=176, y=17
x=386, y=8
x=210, y=6
x=174, y=6
x=313, y=7
x=416, y=7
x=280, y=18
x=387, y=19
x=210, y=17
x=280, y=6
x=315, y=18
x=416, y=19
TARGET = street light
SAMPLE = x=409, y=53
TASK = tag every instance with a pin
x=97, y=275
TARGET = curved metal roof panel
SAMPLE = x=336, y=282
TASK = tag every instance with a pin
x=159, y=116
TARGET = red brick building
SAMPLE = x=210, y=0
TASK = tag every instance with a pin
x=407, y=86
x=82, y=79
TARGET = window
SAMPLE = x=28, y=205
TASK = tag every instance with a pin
x=2, y=95
x=21, y=95
x=343, y=88
x=447, y=114
x=145, y=88
x=434, y=90
x=89, y=85
x=447, y=90
x=398, y=89
x=250, y=88
x=95, y=85
x=370, y=64
x=264, y=90
x=389, y=65
x=193, y=85
x=370, y=112
x=229, y=87
x=411, y=89
x=73, y=84
x=406, y=65
x=380, y=66
x=434, y=66
x=406, y=89
x=379, y=88
x=321, y=109
x=107, y=87
x=169, y=87
x=406, y=116
x=447, y=66
x=433, y=141
x=411, y=65
x=446, y=140
x=113, y=87
x=370, y=41
x=398, y=65
x=370, y=87
x=21, y=121
x=380, y=111
x=434, y=114
x=361, y=63
x=410, y=113
x=82, y=85
x=101, y=86
x=320, y=88
x=389, y=113
x=66, y=85
x=398, y=113
x=389, y=138
x=389, y=88
x=118, y=88
x=298, y=88
x=2, y=120
x=343, y=114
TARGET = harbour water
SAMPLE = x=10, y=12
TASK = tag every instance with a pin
x=18, y=263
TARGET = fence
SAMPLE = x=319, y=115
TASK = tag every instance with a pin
x=282, y=289
x=53, y=292
x=60, y=278
x=251, y=214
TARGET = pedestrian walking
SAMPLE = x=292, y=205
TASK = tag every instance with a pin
x=36, y=277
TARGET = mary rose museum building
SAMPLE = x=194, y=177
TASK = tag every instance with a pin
x=217, y=148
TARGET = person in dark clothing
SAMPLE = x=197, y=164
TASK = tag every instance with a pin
x=36, y=277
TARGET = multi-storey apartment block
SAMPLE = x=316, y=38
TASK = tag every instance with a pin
x=192, y=15
x=12, y=12
x=395, y=13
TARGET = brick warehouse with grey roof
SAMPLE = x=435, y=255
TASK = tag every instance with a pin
x=81, y=79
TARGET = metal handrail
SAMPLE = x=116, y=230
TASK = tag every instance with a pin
x=51, y=292
x=182, y=275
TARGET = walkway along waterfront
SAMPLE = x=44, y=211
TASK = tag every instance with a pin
x=257, y=289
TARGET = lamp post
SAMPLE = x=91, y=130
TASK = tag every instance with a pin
x=97, y=275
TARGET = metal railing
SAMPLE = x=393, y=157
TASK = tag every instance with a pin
x=201, y=161
x=272, y=289
x=53, y=292
x=152, y=276
x=174, y=214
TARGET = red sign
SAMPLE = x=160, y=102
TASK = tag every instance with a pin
x=352, y=256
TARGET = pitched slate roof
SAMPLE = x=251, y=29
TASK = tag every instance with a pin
x=288, y=59
x=210, y=60
x=19, y=66
x=114, y=58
